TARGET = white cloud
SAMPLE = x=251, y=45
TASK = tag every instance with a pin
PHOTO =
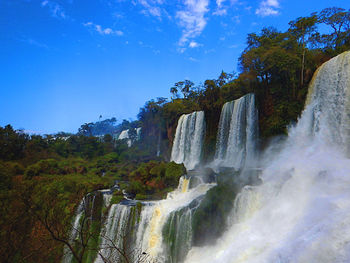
x=151, y=7
x=103, y=31
x=55, y=9
x=220, y=12
x=268, y=8
x=194, y=44
x=192, y=19
x=273, y=3
x=221, y=8
x=219, y=2
x=193, y=59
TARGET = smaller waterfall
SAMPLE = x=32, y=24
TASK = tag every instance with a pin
x=237, y=133
x=114, y=234
x=188, y=140
x=124, y=135
x=150, y=232
x=158, y=144
x=67, y=255
x=158, y=218
x=178, y=233
x=107, y=196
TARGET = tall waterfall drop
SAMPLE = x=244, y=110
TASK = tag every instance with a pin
x=188, y=140
x=300, y=213
x=238, y=129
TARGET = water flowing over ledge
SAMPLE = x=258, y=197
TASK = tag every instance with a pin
x=300, y=213
x=237, y=133
x=188, y=140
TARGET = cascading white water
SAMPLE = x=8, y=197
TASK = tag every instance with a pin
x=114, y=233
x=188, y=140
x=145, y=234
x=124, y=135
x=301, y=211
x=149, y=235
x=237, y=133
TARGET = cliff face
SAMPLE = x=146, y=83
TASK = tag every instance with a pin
x=171, y=134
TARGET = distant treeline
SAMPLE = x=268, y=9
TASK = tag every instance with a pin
x=107, y=126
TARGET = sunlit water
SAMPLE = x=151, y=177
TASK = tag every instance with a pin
x=188, y=139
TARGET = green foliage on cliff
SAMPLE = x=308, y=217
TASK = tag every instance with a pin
x=210, y=219
x=45, y=178
x=154, y=179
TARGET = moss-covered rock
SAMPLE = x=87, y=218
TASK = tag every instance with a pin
x=209, y=220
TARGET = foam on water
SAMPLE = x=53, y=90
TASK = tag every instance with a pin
x=301, y=211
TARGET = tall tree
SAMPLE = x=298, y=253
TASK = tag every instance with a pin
x=302, y=29
x=339, y=20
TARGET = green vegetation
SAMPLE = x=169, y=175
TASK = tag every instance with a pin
x=43, y=179
x=210, y=219
x=154, y=179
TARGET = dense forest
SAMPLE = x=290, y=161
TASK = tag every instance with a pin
x=43, y=178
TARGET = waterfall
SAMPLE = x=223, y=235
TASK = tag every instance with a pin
x=114, y=234
x=149, y=232
x=188, y=140
x=300, y=213
x=156, y=215
x=124, y=135
x=237, y=133
x=158, y=144
x=67, y=255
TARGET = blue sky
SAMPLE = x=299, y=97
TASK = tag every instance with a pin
x=64, y=63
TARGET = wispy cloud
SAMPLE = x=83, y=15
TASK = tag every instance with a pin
x=34, y=42
x=103, y=31
x=209, y=51
x=236, y=19
x=152, y=7
x=233, y=46
x=192, y=19
x=193, y=59
x=268, y=8
x=144, y=45
x=222, y=6
x=56, y=10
